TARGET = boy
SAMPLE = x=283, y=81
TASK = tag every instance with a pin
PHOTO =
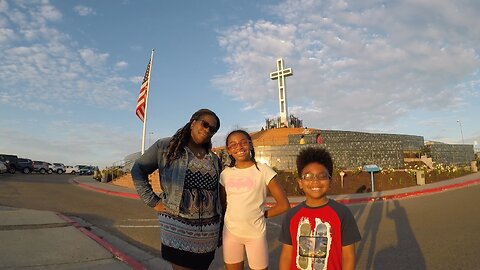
x=318, y=233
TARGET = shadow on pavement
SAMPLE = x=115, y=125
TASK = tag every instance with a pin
x=369, y=233
x=394, y=257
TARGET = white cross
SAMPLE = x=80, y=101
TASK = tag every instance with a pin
x=280, y=75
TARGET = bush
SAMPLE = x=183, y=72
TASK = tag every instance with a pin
x=110, y=174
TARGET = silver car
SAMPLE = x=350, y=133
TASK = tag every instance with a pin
x=40, y=166
x=56, y=167
x=3, y=167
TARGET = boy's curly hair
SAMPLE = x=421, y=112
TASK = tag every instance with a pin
x=314, y=154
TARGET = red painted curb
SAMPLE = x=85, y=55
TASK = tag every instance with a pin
x=134, y=264
x=410, y=194
x=400, y=195
x=115, y=193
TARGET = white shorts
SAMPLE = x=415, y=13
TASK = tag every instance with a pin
x=234, y=248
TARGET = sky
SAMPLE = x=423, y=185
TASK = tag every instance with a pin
x=70, y=71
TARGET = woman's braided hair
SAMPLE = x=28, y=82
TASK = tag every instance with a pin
x=182, y=136
x=252, y=151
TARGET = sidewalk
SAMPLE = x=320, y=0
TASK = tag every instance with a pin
x=33, y=239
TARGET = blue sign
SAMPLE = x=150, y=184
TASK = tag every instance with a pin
x=371, y=168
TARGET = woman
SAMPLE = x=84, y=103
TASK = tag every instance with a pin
x=188, y=207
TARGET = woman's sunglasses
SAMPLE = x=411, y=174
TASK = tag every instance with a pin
x=206, y=125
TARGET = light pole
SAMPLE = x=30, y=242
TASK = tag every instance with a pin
x=150, y=138
x=461, y=130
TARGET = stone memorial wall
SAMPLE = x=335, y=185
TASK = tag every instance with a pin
x=349, y=149
x=457, y=154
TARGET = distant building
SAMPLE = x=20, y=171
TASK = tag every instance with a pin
x=450, y=153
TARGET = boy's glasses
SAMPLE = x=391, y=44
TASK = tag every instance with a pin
x=241, y=143
x=313, y=176
x=206, y=125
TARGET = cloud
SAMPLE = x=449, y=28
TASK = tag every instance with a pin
x=3, y=6
x=121, y=64
x=49, y=13
x=84, y=10
x=93, y=58
x=356, y=64
x=35, y=54
x=7, y=35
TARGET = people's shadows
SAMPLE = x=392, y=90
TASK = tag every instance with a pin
x=369, y=234
x=407, y=253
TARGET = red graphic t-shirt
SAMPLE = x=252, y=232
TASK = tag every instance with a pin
x=317, y=235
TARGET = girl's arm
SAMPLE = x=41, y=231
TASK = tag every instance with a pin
x=348, y=257
x=223, y=199
x=280, y=197
x=285, y=257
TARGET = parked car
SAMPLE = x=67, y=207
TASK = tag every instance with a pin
x=25, y=165
x=40, y=166
x=70, y=169
x=56, y=167
x=3, y=167
x=77, y=168
x=87, y=170
x=10, y=161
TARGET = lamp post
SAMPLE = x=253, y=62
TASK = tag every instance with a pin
x=150, y=138
x=461, y=130
x=342, y=173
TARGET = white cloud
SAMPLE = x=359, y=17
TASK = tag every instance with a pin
x=121, y=64
x=361, y=62
x=93, y=58
x=136, y=80
x=7, y=35
x=49, y=13
x=48, y=55
x=3, y=6
x=84, y=10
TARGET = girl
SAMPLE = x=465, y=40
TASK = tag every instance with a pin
x=243, y=186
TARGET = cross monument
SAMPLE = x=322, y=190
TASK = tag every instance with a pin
x=280, y=75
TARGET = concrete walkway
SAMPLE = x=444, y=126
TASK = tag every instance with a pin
x=26, y=235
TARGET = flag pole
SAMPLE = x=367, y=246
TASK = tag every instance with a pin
x=146, y=104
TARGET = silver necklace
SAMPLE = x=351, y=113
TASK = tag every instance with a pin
x=198, y=154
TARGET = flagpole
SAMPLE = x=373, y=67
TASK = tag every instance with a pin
x=146, y=104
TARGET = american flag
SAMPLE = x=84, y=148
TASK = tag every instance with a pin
x=142, y=97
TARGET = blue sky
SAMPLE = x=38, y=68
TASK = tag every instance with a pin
x=70, y=71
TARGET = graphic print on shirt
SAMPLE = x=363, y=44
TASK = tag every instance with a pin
x=313, y=245
x=239, y=184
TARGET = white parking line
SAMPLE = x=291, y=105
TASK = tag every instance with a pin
x=139, y=223
x=158, y=226
x=137, y=226
x=141, y=219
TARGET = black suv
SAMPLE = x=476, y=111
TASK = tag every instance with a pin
x=25, y=165
x=10, y=161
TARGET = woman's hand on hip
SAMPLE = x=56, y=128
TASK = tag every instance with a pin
x=159, y=207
